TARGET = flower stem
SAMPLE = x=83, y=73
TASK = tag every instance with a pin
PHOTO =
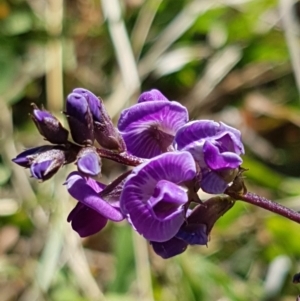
x=262, y=202
x=123, y=158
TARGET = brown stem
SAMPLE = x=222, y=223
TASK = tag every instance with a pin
x=262, y=202
x=123, y=158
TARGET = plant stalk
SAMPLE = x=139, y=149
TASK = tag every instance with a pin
x=264, y=203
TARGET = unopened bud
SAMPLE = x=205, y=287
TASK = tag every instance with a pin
x=105, y=132
x=43, y=161
x=49, y=126
x=80, y=119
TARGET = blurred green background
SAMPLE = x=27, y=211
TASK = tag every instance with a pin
x=232, y=60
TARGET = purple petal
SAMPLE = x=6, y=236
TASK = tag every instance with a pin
x=229, y=137
x=25, y=158
x=216, y=160
x=151, y=95
x=22, y=161
x=49, y=126
x=212, y=183
x=84, y=193
x=39, y=170
x=194, y=234
x=86, y=221
x=236, y=138
x=196, y=150
x=148, y=128
x=195, y=131
x=80, y=119
x=167, y=199
x=89, y=162
x=142, y=192
x=152, y=142
x=93, y=102
x=40, y=115
x=77, y=106
x=169, y=248
x=97, y=186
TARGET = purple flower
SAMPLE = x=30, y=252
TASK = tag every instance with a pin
x=88, y=161
x=188, y=234
x=196, y=228
x=43, y=161
x=192, y=232
x=93, y=212
x=148, y=128
x=49, y=126
x=104, y=130
x=216, y=147
x=154, y=195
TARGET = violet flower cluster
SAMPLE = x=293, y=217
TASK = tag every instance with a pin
x=172, y=159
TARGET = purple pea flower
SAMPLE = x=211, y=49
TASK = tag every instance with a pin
x=49, y=126
x=188, y=234
x=93, y=211
x=196, y=228
x=43, y=161
x=148, y=127
x=154, y=195
x=216, y=147
x=192, y=232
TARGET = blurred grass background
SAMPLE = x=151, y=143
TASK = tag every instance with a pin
x=232, y=60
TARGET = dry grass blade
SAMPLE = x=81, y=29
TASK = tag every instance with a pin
x=176, y=59
x=8, y=150
x=51, y=253
x=292, y=33
x=259, y=104
x=121, y=44
x=142, y=25
x=142, y=267
x=181, y=23
x=54, y=75
x=79, y=266
x=217, y=68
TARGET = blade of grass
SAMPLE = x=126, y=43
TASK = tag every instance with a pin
x=120, y=39
x=291, y=30
x=142, y=25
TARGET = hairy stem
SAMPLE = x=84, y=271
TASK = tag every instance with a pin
x=262, y=202
x=123, y=158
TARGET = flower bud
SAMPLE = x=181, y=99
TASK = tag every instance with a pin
x=89, y=162
x=80, y=119
x=43, y=161
x=49, y=126
x=104, y=130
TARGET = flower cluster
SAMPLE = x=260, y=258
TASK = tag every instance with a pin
x=172, y=158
